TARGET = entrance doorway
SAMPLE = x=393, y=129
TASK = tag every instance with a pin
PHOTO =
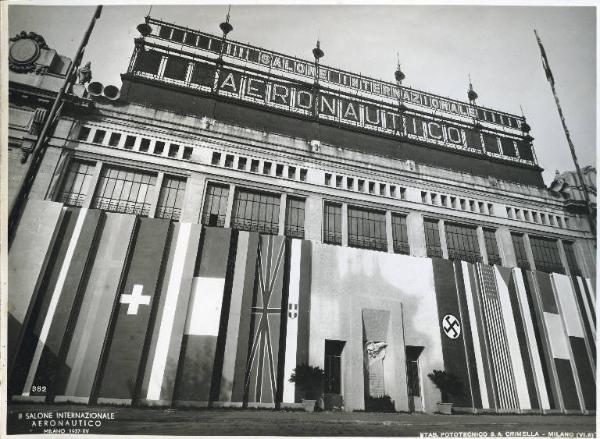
x=333, y=374
x=413, y=378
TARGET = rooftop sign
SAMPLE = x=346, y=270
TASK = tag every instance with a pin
x=328, y=75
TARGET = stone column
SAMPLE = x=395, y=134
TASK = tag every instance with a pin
x=416, y=234
x=563, y=257
x=345, y=224
x=528, y=251
x=93, y=184
x=191, y=208
x=313, y=217
x=282, y=208
x=443, y=242
x=506, y=247
x=482, y=248
x=229, y=206
x=389, y=231
x=156, y=195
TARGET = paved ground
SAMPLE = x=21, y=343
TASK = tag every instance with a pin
x=24, y=418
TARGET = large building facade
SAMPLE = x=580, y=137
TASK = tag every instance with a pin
x=236, y=212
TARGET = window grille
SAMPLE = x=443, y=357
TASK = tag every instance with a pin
x=520, y=254
x=332, y=224
x=545, y=255
x=432, y=238
x=173, y=150
x=400, y=234
x=215, y=205
x=99, y=136
x=76, y=184
x=366, y=229
x=491, y=247
x=129, y=142
x=170, y=198
x=294, y=217
x=84, y=133
x=462, y=243
x=144, y=145
x=125, y=191
x=571, y=259
x=115, y=138
x=255, y=212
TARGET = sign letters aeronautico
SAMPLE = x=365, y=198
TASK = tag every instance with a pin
x=278, y=62
x=301, y=99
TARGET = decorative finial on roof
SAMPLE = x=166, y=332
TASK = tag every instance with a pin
x=471, y=93
x=399, y=74
x=317, y=52
x=226, y=27
x=524, y=125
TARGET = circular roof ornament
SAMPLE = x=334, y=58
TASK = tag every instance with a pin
x=25, y=51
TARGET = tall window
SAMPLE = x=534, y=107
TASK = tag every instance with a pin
x=170, y=198
x=571, y=259
x=432, y=238
x=123, y=190
x=332, y=224
x=462, y=243
x=215, y=205
x=491, y=246
x=77, y=183
x=520, y=254
x=366, y=229
x=294, y=217
x=255, y=212
x=400, y=234
x=545, y=255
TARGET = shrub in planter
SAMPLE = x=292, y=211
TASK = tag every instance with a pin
x=379, y=404
x=310, y=381
x=449, y=386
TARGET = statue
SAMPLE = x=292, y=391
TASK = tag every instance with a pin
x=85, y=73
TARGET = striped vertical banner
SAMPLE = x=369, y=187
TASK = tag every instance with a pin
x=203, y=322
x=515, y=337
x=260, y=381
x=587, y=309
x=477, y=333
x=64, y=277
x=131, y=316
x=78, y=372
x=236, y=339
x=503, y=373
x=163, y=357
x=530, y=348
x=463, y=283
x=582, y=363
x=28, y=256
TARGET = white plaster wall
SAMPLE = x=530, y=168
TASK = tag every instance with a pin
x=347, y=280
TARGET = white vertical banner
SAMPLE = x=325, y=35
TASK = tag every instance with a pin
x=291, y=338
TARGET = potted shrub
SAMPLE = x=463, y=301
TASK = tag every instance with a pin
x=310, y=381
x=449, y=385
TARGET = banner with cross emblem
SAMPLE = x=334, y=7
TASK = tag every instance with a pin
x=132, y=313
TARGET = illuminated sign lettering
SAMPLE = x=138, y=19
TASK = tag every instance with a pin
x=328, y=75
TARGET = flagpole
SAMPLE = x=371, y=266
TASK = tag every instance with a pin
x=550, y=77
x=38, y=151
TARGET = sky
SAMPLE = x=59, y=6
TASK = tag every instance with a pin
x=438, y=47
